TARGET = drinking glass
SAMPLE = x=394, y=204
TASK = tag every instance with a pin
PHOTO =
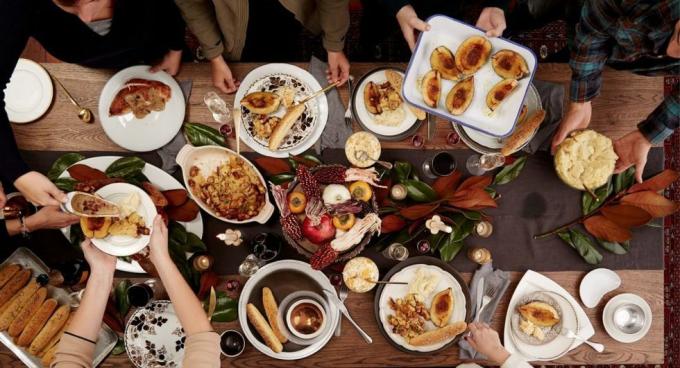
x=142, y=293
x=396, y=251
x=265, y=248
x=441, y=164
x=480, y=164
x=221, y=111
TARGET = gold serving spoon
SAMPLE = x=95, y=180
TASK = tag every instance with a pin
x=84, y=114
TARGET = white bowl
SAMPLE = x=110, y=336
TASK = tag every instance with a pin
x=596, y=284
x=297, y=333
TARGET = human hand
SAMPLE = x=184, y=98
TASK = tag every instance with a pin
x=158, y=245
x=39, y=190
x=485, y=340
x=338, y=67
x=492, y=20
x=410, y=24
x=632, y=149
x=171, y=62
x=577, y=117
x=50, y=217
x=222, y=77
x=100, y=263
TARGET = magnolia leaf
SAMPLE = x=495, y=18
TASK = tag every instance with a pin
x=450, y=248
x=419, y=191
x=654, y=203
x=510, y=172
x=273, y=166
x=418, y=211
x=62, y=163
x=656, y=183
x=624, y=180
x=203, y=135
x=474, y=198
x=480, y=182
x=435, y=240
x=615, y=247
x=606, y=229
x=392, y=223
x=583, y=245
x=590, y=204
x=446, y=185
x=626, y=215
x=402, y=170
x=281, y=178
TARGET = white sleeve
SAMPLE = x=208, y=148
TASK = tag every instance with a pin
x=515, y=361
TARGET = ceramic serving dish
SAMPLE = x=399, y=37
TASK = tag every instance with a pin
x=209, y=158
x=596, y=284
x=284, y=278
x=451, y=33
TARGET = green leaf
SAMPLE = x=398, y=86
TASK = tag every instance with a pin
x=177, y=236
x=203, y=135
x=122, y=302
x=402, y=170
x=450, y=248
x=226, y=308
x=195, y=244
x=119, y=348
x=63, y=163
x=624, y=180
x=313, y=158
x=387, y=210
x=65, y=184
x=589, y=204
x=292, y=163
x=125, y=167
x=435, y=240
x=492, y=192
x=614, y=247
x=136, y=179
x=510, y=172
x=583, y=245
x=419, y=191
x=463, y=230
x=282, y=178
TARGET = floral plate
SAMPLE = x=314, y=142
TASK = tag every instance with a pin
x=154, y=336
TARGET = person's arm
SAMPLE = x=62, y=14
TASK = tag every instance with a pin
x=334, y=19
x=199, y=15
x=393, y=6
x=486, y=341
x=664, y=120
x=76, y=347
x=202, y=343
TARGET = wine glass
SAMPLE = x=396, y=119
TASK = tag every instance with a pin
x=265, y=247
x=480, y=164
x=441, y=164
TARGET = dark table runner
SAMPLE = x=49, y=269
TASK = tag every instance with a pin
x=535, y=202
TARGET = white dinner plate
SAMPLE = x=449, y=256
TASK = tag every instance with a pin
x=306, y=131
x=446, y=280
x=368, y=120
x=451, y=33
x=154, y=337
x=160, y=179
x=153, y=131
x=121, y=245
x=29, y=92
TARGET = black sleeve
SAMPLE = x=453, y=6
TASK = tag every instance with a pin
x=4, y=235
x=393, y=6
x=14, y=28
x=174, y=22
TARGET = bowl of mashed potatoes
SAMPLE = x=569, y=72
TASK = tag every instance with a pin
x=585, y=160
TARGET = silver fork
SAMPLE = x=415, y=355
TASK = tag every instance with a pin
x=489, y=294
x=348, y=112
x=342, y=294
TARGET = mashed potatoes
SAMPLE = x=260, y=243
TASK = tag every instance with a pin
x=585, y=158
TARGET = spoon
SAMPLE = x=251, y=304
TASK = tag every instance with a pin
x=571, y=335
x=80, y=204
x=84, y=114
x=362, y=155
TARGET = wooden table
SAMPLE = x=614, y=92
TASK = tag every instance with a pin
x=625, y=100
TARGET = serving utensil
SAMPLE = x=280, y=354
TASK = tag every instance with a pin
x=84, y=114
x=571, y=335
x=343, y=292
x=343, y=309
x=75, y=205
x=237, y=129
x=317, y=93
x=362, y=155
x=431, y=126
x=489, y=294
x=348, y=112
x=212, y=303
x=387, y=282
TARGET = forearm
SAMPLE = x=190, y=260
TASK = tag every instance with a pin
x=13, y=227
x=393, y=6
x=199, y=15
x=334, y=17
x=87, y=320
x=187, y=306
x=663, y=121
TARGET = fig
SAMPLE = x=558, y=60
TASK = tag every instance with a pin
x=372, y=98
x=443, y=61
x=95, y=227
x=472, y=54
x=509, y=65
x=442, y=308
x=263, y=103
x=460, y=96
x=500, y=92
x=431, y=88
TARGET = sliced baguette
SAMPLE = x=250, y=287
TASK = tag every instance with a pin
x=257, y=320
x=523, y=133
x=441, y=334
x=271, y=309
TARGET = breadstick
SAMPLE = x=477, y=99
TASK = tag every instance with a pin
x=17, y=304
x=439, y=335
x=271, y=309
x=7, y=272
x=523, y=132
x=262, y=327
x=57, y=337
x=15, y=284
x=53, y=325
x=37, y=322
x=48, y=357
x=32, y=305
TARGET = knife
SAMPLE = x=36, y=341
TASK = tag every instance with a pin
x=480, y=295
x=431, y=126
x=332, y=297
x=212, y=303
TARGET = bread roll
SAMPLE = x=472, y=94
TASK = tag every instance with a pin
x=12, y=286
x=32, y=305
x=271, y=309
x=48, y=357
x=263, y=328
x=7, y=272
x=36, y=323
x=522, y=133
x=53, y=325
x=17, y=304
x=57, y=337
x=441, y=334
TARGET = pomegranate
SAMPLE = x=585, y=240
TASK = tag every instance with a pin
x=320, y=233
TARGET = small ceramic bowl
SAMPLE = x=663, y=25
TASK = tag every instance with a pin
x=299, y=306
x=232, y=339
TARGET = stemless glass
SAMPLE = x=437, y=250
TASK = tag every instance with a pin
x=480, y=164
x=441, y=164
x=221, y=111
x=265, y=247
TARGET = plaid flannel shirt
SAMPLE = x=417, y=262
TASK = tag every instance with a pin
x=625, y=31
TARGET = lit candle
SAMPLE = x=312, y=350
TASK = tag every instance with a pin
x=484, y=229
x=479, y=255
x=398, y=192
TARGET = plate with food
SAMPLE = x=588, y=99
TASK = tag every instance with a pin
x=585, y=160
x=273, y=123
x=529, y=121
x=29, y=92
x=169, y=196
x=154, y=336
x=329, y=212
x=35, y=314
x=429, y=313
x=284, y=312
x=460, y=75
x=141, y=111
x=224, y=184
x=378, y=106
